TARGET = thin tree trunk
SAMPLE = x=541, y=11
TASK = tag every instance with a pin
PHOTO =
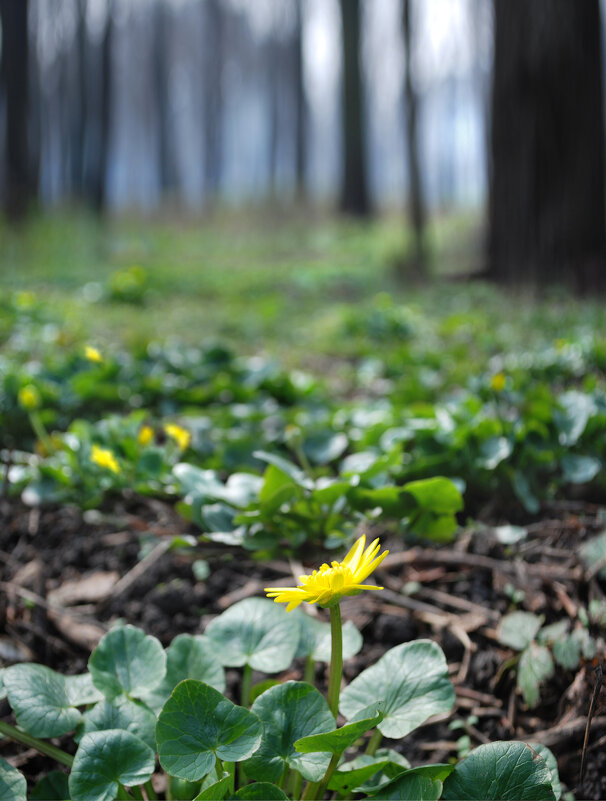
x=213, y=95
x=547, y=207
x=301, y=105
x=354, y=197
x=162, y=89
x=13, y=14
x=416, y=200
x=100, y=178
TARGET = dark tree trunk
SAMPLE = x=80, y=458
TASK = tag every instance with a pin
x=162, y=89
x=80, y=107
x=547, y=209
x=13, y=14
x=354, y=197
x=100, y=175
x=301, y=105
x=213, y=95
x=274, y=62
x=416, y=201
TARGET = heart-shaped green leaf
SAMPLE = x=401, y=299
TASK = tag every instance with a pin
x=81, y=690
x=128, y=715
x=40, y=700
x=260, y=791
x=53, y=787
x=337, y=741
x=579, y=469
x=106, y=759
x=536, y=665
x=187, y=657
x=289, y=712
x=410, y=682
x=517, y=629
x=315, y=640
x=197, y=724
x=127, y=661
x=289, y=468
x=13, y=786
x=438, y=494
x=508, y=771
x=256, y=632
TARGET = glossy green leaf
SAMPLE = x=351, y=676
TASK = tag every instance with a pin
x=493, y=451
x=552, y=765
x=53, y=787
x=127, y=661
x=351, y=775
x=197, y=482
x=260, y=791
x=410, y=786
x=13, y=786
x=410, y=682
x=517, y=629
x=507, y=771
x=289, y=712
x=576, y=408
x=214, y=787
x=187, y=657
x=198, y=724
x=438, y=494
x=337, y=741
x=315, y=640
x=106, y=759
x=278, y=488
x=40, y=700
x=256, y=632
x=291, y=469
x=395, y=764
x=81, y=690
x=128, y=715
x=580, y=469
x=524, y=493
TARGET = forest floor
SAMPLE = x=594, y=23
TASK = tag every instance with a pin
x=67, y=577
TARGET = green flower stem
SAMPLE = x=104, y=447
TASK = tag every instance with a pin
x=297, y=784
x=336, y=659
x=328, y=775
x=149, y=789
x=309, y=674
x=374, y=742
x=246, y=686
x=40, y=431
x=33, y=742
x=230, y=767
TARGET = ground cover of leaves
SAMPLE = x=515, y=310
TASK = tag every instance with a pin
x=66, y=576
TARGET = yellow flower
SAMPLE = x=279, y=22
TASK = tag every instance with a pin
x=329, y=584
x=146, y=435
x=181, y=435
x=29, y=398
x=92, y=354
x=104, y=458
x=497, y=382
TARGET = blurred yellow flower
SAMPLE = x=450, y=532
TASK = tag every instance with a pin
x=146, y=435
x=104, y=458
x=92, y=354
x=180, y=435
x=329, y=584
x=497, y=382
x=29, y=398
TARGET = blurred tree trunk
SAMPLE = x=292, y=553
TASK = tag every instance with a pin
x=213, y=95
x=301, y=108
x=99, y=179
x=161, y=60
x=275, y=65
x=416, y=201
x=547, y=209
x=14, y=66
x=79, y=108
x=354, y=197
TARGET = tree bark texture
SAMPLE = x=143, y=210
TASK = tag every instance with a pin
x=354, y=197
x=14, y=67
x=547, y=209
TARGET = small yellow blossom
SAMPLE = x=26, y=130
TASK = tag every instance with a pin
x=104, y=458
x=329, y=584
x=29, y=398
x=497, y=382
x=181, y=435
x=92, y=354
x=146, y=435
